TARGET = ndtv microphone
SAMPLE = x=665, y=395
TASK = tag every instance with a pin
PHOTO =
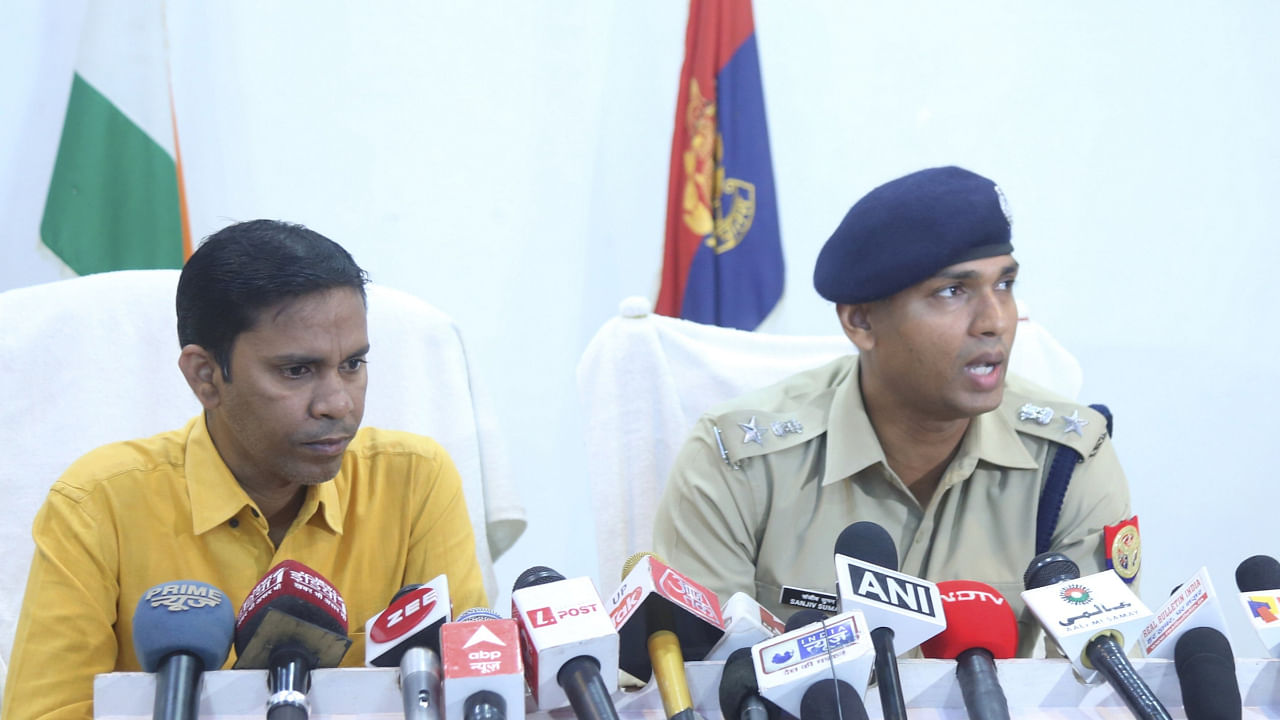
x=1258, y=579
x=1207, y=675
x=180, y=630
x=483, y=675
x=981, y=627
x=407, y=634
x=662, y=618
x=569, y=644
x=292, y=622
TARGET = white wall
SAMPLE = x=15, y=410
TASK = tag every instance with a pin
x=507, y=162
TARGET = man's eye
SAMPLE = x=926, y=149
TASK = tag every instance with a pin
x=295, y=371
x=950, y=291
x=354, y=364
x=1006, y=284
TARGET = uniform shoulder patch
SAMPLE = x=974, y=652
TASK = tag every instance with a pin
x=1123, y=544
x=1066, y=423
x=749, y=433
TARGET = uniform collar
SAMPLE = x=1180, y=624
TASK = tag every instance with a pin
x=216, y=496
x=852, y=445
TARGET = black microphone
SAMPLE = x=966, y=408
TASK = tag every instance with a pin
x=801, y=618
x=739, y=692
x=180, y=630
x=981, y=627
x=1207, y=675
x=1103, y=651
x=831, y=699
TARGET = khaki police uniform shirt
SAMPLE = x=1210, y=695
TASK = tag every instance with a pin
x=766, y=515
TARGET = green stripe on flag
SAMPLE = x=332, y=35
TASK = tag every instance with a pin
x=113, y=200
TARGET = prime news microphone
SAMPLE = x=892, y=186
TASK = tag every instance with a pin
x=832, y=699
x=900, y=609
x=1258, y=579
x=1207, y=675
x=740, y=697
x=483, y=675
x=407, y=635
x=568, y=641
x=813, y=648
x=981, y=628
x=662, y=619
x=746, y=622
x=180, y=630
x=1192, y=604
x=292, y=622
x=1088, y=618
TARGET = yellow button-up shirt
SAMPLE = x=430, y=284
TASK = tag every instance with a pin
x=131, y=515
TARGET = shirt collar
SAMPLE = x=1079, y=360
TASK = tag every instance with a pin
x=852, y=445
x=216, y=495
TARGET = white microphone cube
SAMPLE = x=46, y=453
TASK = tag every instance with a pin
x=558, y=622
x=746, y=622
x=1195, y=604
x=482, y=655
x=412, y=620
x=908, y=605
x=1263, y=608
x=788, y=664
x=653, y=586
x=1074, y=612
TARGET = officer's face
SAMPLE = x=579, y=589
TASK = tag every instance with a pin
x=940, y=349
x=296, y=394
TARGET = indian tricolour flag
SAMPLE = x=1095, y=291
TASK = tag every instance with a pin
x=116, y=200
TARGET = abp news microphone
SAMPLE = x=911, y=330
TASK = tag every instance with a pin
x=483, y=673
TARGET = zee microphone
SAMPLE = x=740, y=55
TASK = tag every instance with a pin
x=292, y=622
x=407, y=635
x=1258, y=578
x=1072, y=608
x=568, y=642
x=180, y=630
x=898, y=607
x=1207, y=675
x=981, y=627
x=483, y=675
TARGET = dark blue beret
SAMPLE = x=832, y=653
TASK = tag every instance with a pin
x=908, y=229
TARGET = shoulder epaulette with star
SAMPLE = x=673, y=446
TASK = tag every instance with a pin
x=747, y=433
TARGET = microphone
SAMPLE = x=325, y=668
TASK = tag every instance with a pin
x=568, y=642
x=292, y=622
x=181, y=629
x=1207, y=675
x=831, y=699
x=483, y=675
x=739, y=693
x=897, y=606
x=662, y=618
x=407, y=634
x=1258, y=579
x=1088, y=618
x=746, y=622
x=1192, y=604
x=981, y=627
x=814, y=648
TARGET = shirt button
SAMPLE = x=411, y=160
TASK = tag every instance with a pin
x=235, y=522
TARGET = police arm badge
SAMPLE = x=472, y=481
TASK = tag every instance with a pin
x=1124, y=548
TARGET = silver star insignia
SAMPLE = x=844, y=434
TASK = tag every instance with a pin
x=752, y=432
x=1075, y=423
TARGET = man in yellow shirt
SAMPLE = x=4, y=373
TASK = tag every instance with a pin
x=271, y=323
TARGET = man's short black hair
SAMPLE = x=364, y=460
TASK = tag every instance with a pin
x=246, y=267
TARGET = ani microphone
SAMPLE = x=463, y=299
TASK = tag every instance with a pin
x=407, y=635
x=292, y=622
x=1207, y=675
x=180, y=630
x=981, y=627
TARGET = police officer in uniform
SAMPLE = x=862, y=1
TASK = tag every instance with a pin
x=922, y=431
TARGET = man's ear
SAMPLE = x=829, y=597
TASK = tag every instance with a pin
x=856, y=322
x=201, y=371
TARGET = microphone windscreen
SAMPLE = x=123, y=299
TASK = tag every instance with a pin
x=1260, y=572
x=296, y=590
x=1207, y=672
x=830, y=699
x=477, y=613
x=978, y=616
x=737, y=682
x=1049, y=568
x=868, y=542
x=183, y=616
x=536, y=575
x=807, y=616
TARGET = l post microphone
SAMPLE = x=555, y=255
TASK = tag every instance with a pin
x=292, y=622
x=483, y=675
x=1207, y=675
x=180, y=630
x=1258, y=579
x=746, y=622
x=407, y=634
x=568, y=641
x=981, y=627
x=898, y=607
x=1192, y=604
x=663, y=618
x=1088, y=617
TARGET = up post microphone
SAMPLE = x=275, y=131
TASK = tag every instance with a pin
x=903, y=611
x=746, y=622
x=663, y=618
x=483, y=675
x=1207, y=675
x=981, y=628
x=292, y=622
x=1258, y=579
x=407, y=635
x=1089, y=618
x=1192, y=604
x=838, y=648
x=180, y=630
x=568, y=641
